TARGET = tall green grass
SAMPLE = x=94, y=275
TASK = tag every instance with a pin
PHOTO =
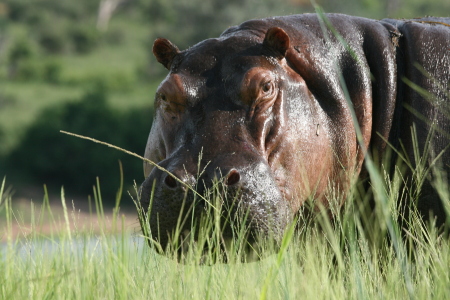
x=320, y=259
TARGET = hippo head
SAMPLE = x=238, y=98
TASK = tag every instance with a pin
x=233, y=109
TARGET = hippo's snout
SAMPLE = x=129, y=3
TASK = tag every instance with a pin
x=245, y=196
x=174, y=182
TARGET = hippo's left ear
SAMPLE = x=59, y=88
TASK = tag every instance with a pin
x=165, y=51
x=277, y=40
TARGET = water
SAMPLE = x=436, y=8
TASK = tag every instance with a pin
x=93, y=245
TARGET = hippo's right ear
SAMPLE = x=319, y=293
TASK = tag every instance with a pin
x=277, y=41
x=164, y=52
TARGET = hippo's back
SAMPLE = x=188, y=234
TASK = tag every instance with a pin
x=423, y=67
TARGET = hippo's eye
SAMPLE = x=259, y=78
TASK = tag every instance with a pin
x=259, y=85
x=267, y=87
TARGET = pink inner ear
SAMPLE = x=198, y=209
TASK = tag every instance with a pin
x=278, y=40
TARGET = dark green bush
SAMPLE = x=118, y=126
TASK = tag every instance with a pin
x=17, y=10
x=20, y=50
x=84, y=39
x=52, y=72
x=26, y=70
x=47, y=156
x=52, y=41
x=37, y=17
x=20, y=65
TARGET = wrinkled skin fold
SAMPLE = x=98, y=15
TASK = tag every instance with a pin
x=263, y=109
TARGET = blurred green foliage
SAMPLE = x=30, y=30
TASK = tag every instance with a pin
x=84, y=38
x=49, y=156
x=52, y=40
x=50, y=48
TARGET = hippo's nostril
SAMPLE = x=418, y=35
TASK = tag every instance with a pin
x=170, y=181
x=233, y=177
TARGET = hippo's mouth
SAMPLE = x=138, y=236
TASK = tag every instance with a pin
x=208, y=245
x=208, y=229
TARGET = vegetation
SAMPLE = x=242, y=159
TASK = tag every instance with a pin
x=59, y=164
x=350, y=257
x=98, y=81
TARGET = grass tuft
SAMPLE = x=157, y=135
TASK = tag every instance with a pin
x=318, y=257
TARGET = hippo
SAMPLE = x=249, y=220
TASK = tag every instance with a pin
x=279, y=110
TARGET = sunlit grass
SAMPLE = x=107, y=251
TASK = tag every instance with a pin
x=320, y=259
